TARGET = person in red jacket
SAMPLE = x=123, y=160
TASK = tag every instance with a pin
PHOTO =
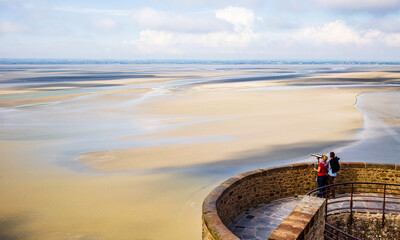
x=322, y=179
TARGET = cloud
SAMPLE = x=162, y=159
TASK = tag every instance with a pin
x=332, y=33
x=373, y=6
x=149, y=18
x=12, y=28
x=338, y=33
x=383, y=24
x=105, y=24
x=114, y=12
x=219, y=3
x=292, y=5
x=174, y=34
x=16, y=3
x=322, y=38
x=392, y=40
x=242, y=19
x=153, y=41
x=280, y=23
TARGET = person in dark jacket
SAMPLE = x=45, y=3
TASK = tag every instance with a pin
x=333, y=168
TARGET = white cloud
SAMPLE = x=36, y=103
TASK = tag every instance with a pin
x=158, y=42
x=383, y=24
x=280, y=23
x=153, y=41
x=115, y=12
x=392, y=40
x=219, y=3
x=175, y=36
x=105, y=24
x=242, y=19
x=374, y=6
x=292, y=5
x=332, y=33
x=150, y=18
x=12, y=28
x=338, y=33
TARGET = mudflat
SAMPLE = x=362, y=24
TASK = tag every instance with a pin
x=130, y=152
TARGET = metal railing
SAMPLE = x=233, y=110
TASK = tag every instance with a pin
x=333, y=233
x=357, y=197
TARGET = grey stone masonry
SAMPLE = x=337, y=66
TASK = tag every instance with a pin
x=259, y=222
x=306, y=221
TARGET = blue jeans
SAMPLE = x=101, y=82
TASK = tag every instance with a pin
x=322, y=181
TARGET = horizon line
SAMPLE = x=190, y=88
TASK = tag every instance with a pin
x=8, y=61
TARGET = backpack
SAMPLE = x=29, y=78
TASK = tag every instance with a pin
x=335, y=166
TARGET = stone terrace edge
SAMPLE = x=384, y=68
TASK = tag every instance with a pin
x=214, y=227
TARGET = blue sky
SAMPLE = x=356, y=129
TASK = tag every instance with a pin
x=207, y=29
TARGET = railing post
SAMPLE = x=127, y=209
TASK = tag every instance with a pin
x=326, y=203
x=351, y=203
x=336, y=233
x=384, y=205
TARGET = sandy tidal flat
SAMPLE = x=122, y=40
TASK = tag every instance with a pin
x=130, y=152
x=233, y=125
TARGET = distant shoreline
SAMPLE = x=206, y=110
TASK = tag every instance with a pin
x=50, y=61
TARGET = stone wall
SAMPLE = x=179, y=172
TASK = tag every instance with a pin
x=253, y=188
x=306, y=221
x=367, y=226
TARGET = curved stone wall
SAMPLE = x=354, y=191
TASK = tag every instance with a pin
x=253, y=188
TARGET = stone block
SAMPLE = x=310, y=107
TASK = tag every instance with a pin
x=280, y=235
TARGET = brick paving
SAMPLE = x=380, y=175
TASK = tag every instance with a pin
x=259, y=222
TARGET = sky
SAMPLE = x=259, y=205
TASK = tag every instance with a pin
x=363, y=30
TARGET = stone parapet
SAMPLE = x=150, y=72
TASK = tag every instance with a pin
x=306, y=221
x=253, y=188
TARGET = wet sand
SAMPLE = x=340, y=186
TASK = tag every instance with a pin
x=236, y=125
x=133, y=158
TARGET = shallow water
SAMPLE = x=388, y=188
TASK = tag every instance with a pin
x=380, y=138
x=48, y=194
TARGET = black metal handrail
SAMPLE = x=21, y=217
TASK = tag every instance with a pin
x=333, y=233
x=383, y=194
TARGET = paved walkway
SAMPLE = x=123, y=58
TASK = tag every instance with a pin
x=373, y=202
x=259, y=222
